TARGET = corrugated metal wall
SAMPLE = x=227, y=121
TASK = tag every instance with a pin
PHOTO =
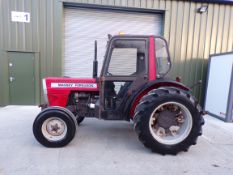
x=41, y=36
x=191, y=36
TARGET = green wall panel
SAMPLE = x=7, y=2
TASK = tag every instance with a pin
x=191, y=36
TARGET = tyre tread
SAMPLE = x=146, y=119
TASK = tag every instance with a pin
x=147, y=102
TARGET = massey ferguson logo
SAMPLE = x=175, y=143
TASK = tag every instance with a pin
x=73, y=85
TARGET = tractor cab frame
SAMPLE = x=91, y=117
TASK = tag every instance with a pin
x=130, y=63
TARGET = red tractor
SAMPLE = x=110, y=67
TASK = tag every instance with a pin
x=132, y=86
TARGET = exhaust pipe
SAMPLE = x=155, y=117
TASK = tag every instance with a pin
x=95, y=62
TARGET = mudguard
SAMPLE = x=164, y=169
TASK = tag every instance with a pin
x=68, y=112
x=143, y=90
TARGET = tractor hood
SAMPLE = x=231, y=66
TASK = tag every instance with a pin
x=60, y=85
x=57, y=90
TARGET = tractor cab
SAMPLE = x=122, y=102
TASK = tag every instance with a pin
x=130, y=62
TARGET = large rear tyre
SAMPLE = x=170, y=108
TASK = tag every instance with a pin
x=54, y=127
x=168, y=121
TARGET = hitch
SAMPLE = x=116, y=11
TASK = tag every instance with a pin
x=204, y=112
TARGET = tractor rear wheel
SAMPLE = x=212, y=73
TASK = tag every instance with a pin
x=168, y=120
x=54, y=127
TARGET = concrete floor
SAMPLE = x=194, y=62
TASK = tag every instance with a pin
x=107, y=147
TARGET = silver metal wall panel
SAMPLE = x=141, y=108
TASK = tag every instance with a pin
x=218, y=101
x=82, y=27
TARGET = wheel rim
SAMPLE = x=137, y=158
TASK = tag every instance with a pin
x=54, y=129
x=170, y=123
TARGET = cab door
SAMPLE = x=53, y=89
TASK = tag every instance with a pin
x=124, y=71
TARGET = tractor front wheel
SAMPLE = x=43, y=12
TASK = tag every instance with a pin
x=168, y=121
x=54, y=127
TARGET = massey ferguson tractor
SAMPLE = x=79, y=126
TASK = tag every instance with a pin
x=132, y=86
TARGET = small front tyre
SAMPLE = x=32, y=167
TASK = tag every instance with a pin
x=54, y=127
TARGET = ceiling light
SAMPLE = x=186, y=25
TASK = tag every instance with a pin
x=202, y=9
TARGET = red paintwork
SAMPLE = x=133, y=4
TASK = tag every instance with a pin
x=58, y=96
x=152, y=64
x=155, y=86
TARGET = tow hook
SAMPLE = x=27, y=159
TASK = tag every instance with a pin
x=204, y=112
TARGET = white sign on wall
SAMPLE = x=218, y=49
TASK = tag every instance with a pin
x=20, y=16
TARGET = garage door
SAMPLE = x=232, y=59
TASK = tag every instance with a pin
x=83, y=26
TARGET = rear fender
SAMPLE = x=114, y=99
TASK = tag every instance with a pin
x=150, y=86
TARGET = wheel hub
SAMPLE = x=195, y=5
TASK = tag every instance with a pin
x=170, y=123
x=55, y=127
x=166, y=119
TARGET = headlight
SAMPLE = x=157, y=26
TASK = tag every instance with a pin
x=45, y=90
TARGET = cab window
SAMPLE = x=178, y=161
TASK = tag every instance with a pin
x=127, y=58
x=162, y=57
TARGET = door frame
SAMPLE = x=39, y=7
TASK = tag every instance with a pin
x=38, y=90
x=136, y=80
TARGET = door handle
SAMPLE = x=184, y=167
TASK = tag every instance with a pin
x=11, y=79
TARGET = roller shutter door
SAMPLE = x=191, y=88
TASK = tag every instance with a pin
x=83, y=26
